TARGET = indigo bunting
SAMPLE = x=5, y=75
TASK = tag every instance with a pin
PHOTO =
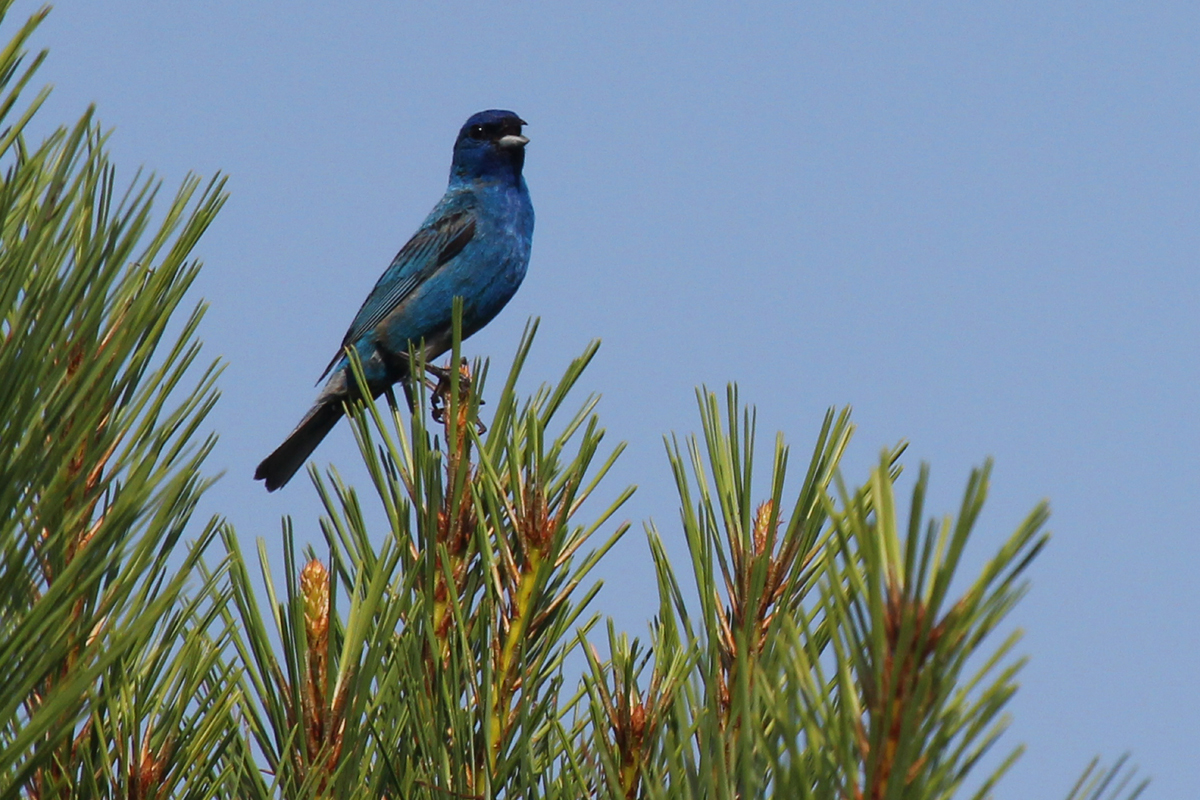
x=474, y=245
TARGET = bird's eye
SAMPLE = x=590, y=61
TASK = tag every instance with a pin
x=477, y=132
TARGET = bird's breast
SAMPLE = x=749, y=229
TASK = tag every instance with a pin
x=485, y=274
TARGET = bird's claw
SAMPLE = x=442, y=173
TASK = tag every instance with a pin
x=439, y=397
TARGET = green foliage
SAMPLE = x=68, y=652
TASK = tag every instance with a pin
x=823, y=656
x=823, y=645
x=444, y=676
x=1098, y=783
x=103, y=656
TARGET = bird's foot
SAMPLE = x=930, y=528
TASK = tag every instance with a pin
x=440, y=396
x=441, y=373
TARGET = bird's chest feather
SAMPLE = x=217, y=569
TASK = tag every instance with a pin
x=485, y=274
x=493, y=263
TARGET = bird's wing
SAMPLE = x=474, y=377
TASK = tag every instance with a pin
x=440, y=239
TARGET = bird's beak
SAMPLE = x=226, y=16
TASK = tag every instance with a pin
x=513, y=140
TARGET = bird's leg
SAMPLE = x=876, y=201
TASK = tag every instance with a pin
x=441, y=373
x=443, y=378
x=439, y=389
x=443, y=388
x=440, y=392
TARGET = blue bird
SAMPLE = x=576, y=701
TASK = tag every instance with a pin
x=474, y=245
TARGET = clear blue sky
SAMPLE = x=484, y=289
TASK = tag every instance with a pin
x=978, y=225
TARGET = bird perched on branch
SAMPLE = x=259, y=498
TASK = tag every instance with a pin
x=474, y=245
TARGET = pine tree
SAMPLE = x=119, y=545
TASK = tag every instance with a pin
x=819, y=647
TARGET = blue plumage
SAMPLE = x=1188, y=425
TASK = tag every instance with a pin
x=474, y=245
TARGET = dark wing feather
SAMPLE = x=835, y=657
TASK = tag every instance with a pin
x=429, y=248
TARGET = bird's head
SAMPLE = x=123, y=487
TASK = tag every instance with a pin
x=490, y=145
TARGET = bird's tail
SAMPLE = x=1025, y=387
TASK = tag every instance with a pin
x=279, y=467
